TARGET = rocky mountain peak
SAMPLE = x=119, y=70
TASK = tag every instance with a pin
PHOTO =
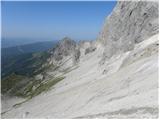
x=66, y=39
x=65, y=47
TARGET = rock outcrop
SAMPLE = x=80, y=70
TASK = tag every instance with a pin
x=130, y=23
x=64, y=48
x=76, y=56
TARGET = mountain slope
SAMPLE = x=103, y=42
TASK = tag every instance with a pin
x=25, y=64
x=88, y=93
x=20, y=59
x=108, y=80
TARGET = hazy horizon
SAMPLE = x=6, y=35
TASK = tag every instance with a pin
x=51, y=20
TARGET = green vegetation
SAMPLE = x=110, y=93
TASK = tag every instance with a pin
x=10, y=81
x=35, y=87
x=18, y=85
x=43, y=69
x=28, y=90
x=26, y=64
x=18, y=75
x=43, y=87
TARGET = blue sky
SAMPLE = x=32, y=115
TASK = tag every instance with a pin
x=54, y=20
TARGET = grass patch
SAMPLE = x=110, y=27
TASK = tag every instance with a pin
x=46, y=86
x=43, y=69
x=39, y=87
x=29, y=89
x=43, y=87
x=10, y=81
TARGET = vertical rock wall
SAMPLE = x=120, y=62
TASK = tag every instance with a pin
x=129, y=23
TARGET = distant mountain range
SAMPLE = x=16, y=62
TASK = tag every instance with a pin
x=12, y=42
x=21, y=58
x=28, y=48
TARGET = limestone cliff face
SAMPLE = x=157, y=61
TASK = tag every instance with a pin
x=128, y=24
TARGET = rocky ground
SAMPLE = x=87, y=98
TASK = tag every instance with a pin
x=124, y=87
x=115, y=76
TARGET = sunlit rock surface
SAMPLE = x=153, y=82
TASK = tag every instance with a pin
x=125, y=85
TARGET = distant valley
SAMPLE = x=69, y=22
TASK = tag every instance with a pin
x=20, y=58
x=28, y=48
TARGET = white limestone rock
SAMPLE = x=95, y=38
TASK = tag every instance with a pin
x=128, y=24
